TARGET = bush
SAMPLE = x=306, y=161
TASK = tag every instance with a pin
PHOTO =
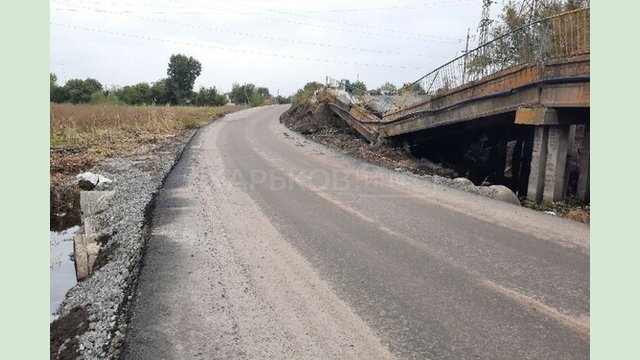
x=304, y=95
x=105, y=98
x=209, y=97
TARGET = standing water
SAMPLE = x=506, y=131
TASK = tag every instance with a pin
x=62, y=268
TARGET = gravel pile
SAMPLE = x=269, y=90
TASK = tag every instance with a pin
x=104, y=296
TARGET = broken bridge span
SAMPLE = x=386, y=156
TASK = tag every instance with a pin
x=525, y=93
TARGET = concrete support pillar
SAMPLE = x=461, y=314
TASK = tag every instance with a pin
x=572, y=138
x=583, y=178
x=498, y=157
x=557, y=145
x=525, y=167
x=538, y=163
x=516, y=161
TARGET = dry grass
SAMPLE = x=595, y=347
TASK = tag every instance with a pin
x=81, y=135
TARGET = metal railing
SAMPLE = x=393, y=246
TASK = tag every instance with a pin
x=558, y=36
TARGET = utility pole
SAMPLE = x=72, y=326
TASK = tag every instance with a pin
x=485, y=22
x=483, y=30
x=530, y=9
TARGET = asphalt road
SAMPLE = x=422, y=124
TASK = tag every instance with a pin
x=265, y=245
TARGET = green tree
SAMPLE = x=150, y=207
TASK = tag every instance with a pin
x=256, y=99
x=105, y=97
x=523, y=46
x=137, y=94
x=80, y=91
x=242, y=94
x=209, y=97
x=356, y=88
x=57, y=94
x=359, y=88
x=52, y=82
x=283, y=99
x=264, y=92
x=92, y=85
x=306, y=93
x=164, y=92
x=414, y=88
x=183, y=71
x=387, y=89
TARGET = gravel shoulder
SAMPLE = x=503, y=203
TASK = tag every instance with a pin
x=92, y=319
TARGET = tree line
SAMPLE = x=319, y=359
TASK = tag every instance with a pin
x=175, y=89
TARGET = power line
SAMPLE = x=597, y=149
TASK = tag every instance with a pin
x=332, y=28
x=243, y=51
x=382, y=32
x=395, y=7
x=344, y=23
x=245, y=34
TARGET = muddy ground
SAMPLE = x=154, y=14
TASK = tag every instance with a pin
x=317, y=122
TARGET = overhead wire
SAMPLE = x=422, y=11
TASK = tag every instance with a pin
x=245, y=34
x=332, y=28
x=223, y=48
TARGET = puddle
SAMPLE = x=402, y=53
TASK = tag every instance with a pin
x=62, y=268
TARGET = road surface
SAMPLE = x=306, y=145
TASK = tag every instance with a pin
x=266, y=245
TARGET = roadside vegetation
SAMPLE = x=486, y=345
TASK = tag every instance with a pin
x=82, y=134
x=89, y=122
x=175, y=89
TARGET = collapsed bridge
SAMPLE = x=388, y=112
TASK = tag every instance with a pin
x=524, y=96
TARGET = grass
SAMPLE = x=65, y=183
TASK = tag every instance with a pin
x=569, y=208
x=81, y=135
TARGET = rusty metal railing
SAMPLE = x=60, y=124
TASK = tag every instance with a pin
x=559, y=36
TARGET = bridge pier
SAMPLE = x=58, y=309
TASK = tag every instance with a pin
x=548, y=163
x=554, y=174
x=538, y=163
x=552, y=141
x=583, y=178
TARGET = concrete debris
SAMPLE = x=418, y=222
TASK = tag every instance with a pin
x=89, y=180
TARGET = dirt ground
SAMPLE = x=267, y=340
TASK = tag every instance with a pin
x=65, y=331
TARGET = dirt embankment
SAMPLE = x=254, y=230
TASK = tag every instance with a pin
x=316, y=121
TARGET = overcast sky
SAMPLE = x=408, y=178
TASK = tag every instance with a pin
x=279, y=44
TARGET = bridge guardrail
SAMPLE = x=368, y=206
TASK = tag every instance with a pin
x=558, y=36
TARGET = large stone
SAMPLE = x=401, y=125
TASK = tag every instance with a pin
x=463, y=182
x=500, y=192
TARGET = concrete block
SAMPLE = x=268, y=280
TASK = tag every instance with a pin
x=85, y=252
x=90, y=225
x=93, y=202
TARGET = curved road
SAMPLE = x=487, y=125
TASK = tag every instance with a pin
x=265, y=245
